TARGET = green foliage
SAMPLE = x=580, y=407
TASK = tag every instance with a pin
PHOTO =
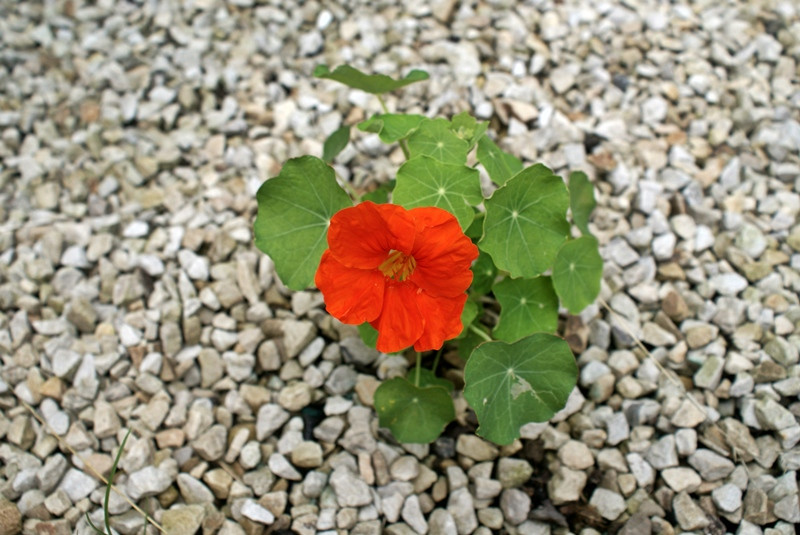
x=368, y=334
x=468, y=315
x=499, y=164
x=577, y=271
x=294, y=211
x=526, y=306
x=510, y=385
x=581, y=200
x=380, y=195
x=516, y=372
x=413, y=413
x=526, y=222
x=392, y=127
x=335, y=143
x=371, y=83
x=424, y=181
x=435, y=139
x=483, y=274
x=428, y=378
x=467, y=128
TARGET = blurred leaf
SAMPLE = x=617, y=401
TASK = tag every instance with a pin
x=380, y=195
x=368, y=334
x=581, y=200
x=371, y=83
x=335, y=143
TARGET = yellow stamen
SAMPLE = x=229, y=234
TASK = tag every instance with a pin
x=398, y=265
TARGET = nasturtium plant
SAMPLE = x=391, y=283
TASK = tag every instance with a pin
x=426, y=260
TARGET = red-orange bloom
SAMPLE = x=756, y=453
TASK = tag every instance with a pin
x=403, y=271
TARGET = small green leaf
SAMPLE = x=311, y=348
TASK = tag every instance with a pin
x=526, y=222
x=581, y=200
x=577, y=271
x=475, y=229
x=499, y=164
x=435, y=139
x=392, y=127
x=368, y=334
x=527, y=306
x=294, y=211
x=380, y=195
x=467, y=128
x=468, y=314
x=335, y=143
x=371, y=83
x=469, y=339
x=483, y=274
x=509, y=385
x=413, y=414
x=424, y=181
x=428, y=378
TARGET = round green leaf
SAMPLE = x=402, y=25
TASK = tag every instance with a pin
x=526, y=222
x=424, y=181
x=413, y=414
x=335, y=143
x=509, y=385
x=581, y=200
x=294, y=211
x=371, y=83
x=577, y=271
x=392, y=127
x=435, y=139
x=527, y=306
x=483, y=274
x=499, y=164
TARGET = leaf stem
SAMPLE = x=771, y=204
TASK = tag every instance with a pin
x=402, y=142
x=349, y=187
x=436, y=360
x=419, y=365
x=480, y=332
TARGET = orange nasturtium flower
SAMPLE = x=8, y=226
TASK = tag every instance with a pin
x=404, y=271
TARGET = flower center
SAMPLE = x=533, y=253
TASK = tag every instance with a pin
x=398, y=265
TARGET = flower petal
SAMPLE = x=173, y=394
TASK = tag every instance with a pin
x=442, y=319
x=400, y=323
x=442, y=252
x=362, y=236
x=351, y=295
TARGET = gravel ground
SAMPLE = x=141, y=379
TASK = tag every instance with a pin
x=133, y=137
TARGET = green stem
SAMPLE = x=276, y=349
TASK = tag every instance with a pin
x=480, y=332
x=383, y=104
x=436, y=360
x=403, y=144
x=419, y=365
